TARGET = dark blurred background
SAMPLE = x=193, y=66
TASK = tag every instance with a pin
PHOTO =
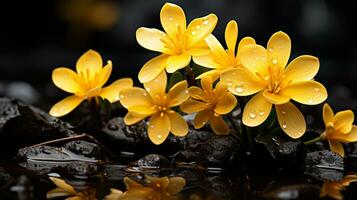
x=38, y=36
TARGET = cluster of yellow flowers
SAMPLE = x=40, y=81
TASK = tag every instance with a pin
x=243, y=70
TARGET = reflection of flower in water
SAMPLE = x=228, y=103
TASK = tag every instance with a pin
x=162, y=188
x=65, y=190
x=333, y=188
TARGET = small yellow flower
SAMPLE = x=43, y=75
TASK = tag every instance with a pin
x=65, y=190
x=333, y=188
x=177, y=45
x=210, y=104
x=339, y=128
x=219, y=59
x=264, y=73
x=162, y=188
x=154, y=102
x=86, y=83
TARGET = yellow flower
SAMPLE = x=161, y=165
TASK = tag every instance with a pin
x=339, y=128
x=333, y=188
x=219, y=59
x=65, y=190
x=154, y=102
x=210, y=104
x=162, y=188
x=177, y=45
x=264, y=73
x=86, y=83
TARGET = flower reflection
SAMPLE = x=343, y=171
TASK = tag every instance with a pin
x=333, y=188
x=162, y=188
x=65, y=190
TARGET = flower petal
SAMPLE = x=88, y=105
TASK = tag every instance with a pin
x=327, y=114
x=226, y=102
x=306, y=92
x=343, y=121
x=291, y=120
x=132, y=118
x=214, y=74
x=195, y=92
x=279, y=47
x=256, y=111
x=112, y=91
x=202, y=118
x=103, y=76
x=241, y=82
x=199, y=48
x=347, y=137
x=231, y=35
x=179, y=126
x=151, y=38
x=159, y=128
x=192, y=106
x=153, y=68
x=221, y=87
x=206, y=61
x=200, y=28
x=176, y=184
x=302, y=68
x=176, y=62
x=63, y=185
x=218, y=125
x=134, y=96
x=245, y=41
x=178, y=94
x=336, y=147
x=276, y=98
x=157, y=86
x=206, y=84
x=254, y=58
x=89, y=64
x=172, y=18
x=65, y=106
x=66, y=79
x=216, y=49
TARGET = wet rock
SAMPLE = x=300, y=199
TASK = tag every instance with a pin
x=22, y=91
x=88, y=149
x=295, y=191
x=324, y=165
x=78, y=169
x=281, y=151
x=149, y=162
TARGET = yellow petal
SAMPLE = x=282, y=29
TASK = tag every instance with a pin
x=176, y=184
x=154, y=181
x=256, y=111
x=218, y=125
x=142, y=110
x=66, y=79
x=135, y=96
x=343, y=121
x=226, y=102
x=195, y=92
x=231, y=35
x=114, y=195
x=306, y=92
x=202, y=118
x=206, y=61
x=327, y=114
x=157, y=86
x=111, y=92
x=65, y=106
x=302, y=68
x=221, y=87
x=159, y=128
x=132, y=118
x=153, y=68
x=58, y=192
x=178, y=94
x=192, y=106
x=217, y=50
x=279, y=47
x=275, y=98
x=151, y=38
x=206, y=84
x=214, y=74
x=89, y=64
x=172, y=18
x=199, y=48
x=176, y=62
x=347, y=137
x=291, y=120
x=337, y=148
x=130, y=183
x=63, y=185
x=179, y=126
x=200, y=28
x=103, y=76
x=254, y=58
x=245, y=41
x=241, y=82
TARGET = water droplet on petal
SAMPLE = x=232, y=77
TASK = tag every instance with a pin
x=186, y=91
x=266, y=77
x=283, y=112
x=252, y=115
x=171, y=18
x=239, y=88
x=317, y=89
x=270, y=49
x=152, y=126
x=300, y=131
x=284, y=126
x=261, y=113
x=159, y=136
x=145, y=94
x=274, y=61
x=156, y=80
x=121, y=96
x=205, y=22
x=193, y=33
x=310, y=101
x=148, y=89
x=216, y=114
x=198, y=27
x=229, y=84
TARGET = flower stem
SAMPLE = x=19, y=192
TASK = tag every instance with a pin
x=312, y=141
x=189, y=76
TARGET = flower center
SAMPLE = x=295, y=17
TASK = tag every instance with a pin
x=161, y=104
x=87, y=83
x=176, y=43
x=273, y=78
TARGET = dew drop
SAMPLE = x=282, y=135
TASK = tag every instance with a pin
x=261, y=113
x=156, y=80
x=193, y=33
x=317, y=89
x=152, y=126
x=310, y=101
x=148, y=89
x=283, y=112
x=300, y=131
x=171, y=18
x=266, y=77
x=284, y=126
x=239, y=88
x=205, y=22
x=252, y=115
x=145, y=94
x=187, y=92
x=121, y=96
x=274, y=61
x=198, y=27
x=270, y=49
x=159, y=136
x=216, y=114
x=229, y=84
